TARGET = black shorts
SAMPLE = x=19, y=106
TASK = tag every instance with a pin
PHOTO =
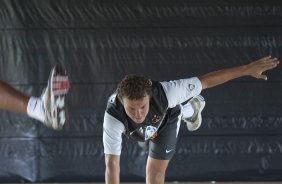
x=163, y=146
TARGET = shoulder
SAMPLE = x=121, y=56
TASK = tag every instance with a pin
x=112, y=124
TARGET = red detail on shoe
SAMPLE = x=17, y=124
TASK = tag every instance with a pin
x=60, y=85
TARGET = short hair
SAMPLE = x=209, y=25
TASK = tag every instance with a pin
x=134, y=87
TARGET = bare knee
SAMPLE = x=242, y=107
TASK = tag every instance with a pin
x=155, y=178
x=155, y=171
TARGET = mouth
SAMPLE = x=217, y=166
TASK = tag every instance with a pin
x=138, y=120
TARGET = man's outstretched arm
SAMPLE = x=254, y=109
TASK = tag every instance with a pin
x=254, y=69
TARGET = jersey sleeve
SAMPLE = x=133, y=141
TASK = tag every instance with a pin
x=178, y=91
x=112, y=135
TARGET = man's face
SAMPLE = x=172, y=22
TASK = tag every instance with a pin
x=137, y=110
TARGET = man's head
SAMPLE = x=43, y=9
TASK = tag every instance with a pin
x=134, y=92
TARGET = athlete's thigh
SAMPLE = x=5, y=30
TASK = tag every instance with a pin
x=163, y=146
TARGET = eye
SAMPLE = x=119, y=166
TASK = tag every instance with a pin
x=131, y=109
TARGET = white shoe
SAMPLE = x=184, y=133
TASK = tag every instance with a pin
x=194, y=122
x=53, y=98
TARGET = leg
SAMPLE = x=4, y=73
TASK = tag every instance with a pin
x=11, y=99
x=155, y=171
x=162, y=147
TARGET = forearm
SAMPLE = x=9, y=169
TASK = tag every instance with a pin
x=254, y=69
x=112, y=169
x=212, y=79
x=112, y=176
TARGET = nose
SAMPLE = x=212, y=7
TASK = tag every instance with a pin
x=138, y=113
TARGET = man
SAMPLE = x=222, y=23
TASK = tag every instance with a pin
x=49, y=108
x=150, y=111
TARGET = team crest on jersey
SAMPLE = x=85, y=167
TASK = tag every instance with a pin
x=150, y=131
x=154, y=136
x=156, y=118
x=191, y=87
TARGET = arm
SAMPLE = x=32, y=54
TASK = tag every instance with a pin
x=253, y=69
x=112, y=141
x=112, y=169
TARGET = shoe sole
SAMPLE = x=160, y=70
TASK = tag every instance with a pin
x=191, y=126
x=59, y=88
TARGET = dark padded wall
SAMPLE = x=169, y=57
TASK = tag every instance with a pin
x=99, y=42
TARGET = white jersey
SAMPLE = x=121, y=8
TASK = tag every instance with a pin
x=176, y=92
